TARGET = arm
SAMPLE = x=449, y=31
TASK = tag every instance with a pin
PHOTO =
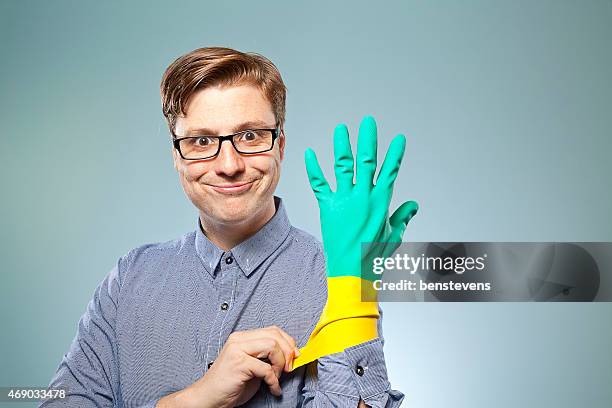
x=357, y=212
x=89, y=369
x=335, y=381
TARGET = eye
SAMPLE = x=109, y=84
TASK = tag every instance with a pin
x=249, y=136
x=203, y=141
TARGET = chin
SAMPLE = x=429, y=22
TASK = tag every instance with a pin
x=232, y=217
x=230, y=214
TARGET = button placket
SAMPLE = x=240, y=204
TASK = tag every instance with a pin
x=227, y=278
x=228, y=290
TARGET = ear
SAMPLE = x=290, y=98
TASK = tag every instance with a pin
x=281, y=144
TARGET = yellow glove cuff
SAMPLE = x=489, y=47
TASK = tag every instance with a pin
x=346, y=321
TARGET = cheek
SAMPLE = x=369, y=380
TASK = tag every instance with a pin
x=268, y=166
x=193, y=171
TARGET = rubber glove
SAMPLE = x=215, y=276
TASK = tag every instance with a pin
x=357, y=212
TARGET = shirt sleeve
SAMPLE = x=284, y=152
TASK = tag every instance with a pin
x=342, y=379
x=89, y=371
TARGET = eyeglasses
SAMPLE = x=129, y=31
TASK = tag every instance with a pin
x=251, y=141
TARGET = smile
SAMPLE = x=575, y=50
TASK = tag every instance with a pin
x=231, y=189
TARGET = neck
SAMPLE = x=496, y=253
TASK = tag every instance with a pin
x=227, y=236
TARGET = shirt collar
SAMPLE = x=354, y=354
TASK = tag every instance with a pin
x=249, y=254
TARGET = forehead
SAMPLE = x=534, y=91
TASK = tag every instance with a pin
x=220, y=109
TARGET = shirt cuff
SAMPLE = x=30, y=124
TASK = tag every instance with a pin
x=359, y=371
x=368, y=368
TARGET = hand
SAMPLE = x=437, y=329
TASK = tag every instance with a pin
x=355, y=213
x=358, y=212
x=236, y=374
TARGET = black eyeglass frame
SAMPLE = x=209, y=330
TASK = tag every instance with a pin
x=177, y=140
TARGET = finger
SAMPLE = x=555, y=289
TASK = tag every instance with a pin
x=287, y=344
x=343, y=158
x=290, y=341
x=317, y=180
x=393, y=160
x=266, y=347
x=264, y=332
x=366, y=152
x=400, y=218
x=259, y=369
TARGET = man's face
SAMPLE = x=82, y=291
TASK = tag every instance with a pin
x=230, y=188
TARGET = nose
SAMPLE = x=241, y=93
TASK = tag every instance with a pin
x=229, y=162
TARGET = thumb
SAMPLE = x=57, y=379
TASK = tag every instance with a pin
x=400, y=218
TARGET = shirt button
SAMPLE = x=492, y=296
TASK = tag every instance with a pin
x=210, y=364
x=224, y=306
x=229, y=260
x=359, y=370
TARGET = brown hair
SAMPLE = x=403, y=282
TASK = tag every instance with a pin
x=212, y=66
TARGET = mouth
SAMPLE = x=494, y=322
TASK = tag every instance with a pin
x=231, y=188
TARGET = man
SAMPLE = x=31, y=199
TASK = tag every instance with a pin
x=216, y=318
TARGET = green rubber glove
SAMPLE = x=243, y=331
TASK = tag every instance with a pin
x=357, y=212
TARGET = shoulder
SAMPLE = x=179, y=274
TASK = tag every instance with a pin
x=305, y=241
x=151, y=256
x=307, y=250
x=305, y=247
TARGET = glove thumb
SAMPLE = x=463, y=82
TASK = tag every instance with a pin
x=400, y=218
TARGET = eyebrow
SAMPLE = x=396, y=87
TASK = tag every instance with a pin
x=252, y=124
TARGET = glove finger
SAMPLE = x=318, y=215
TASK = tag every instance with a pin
x=317, y=180
x=391, y=164
x=400, y=218
x=343, y=158
x=366, y=152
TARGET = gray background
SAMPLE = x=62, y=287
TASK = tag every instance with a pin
x=507, y=111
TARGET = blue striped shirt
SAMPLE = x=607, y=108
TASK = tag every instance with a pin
x=164, y=312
